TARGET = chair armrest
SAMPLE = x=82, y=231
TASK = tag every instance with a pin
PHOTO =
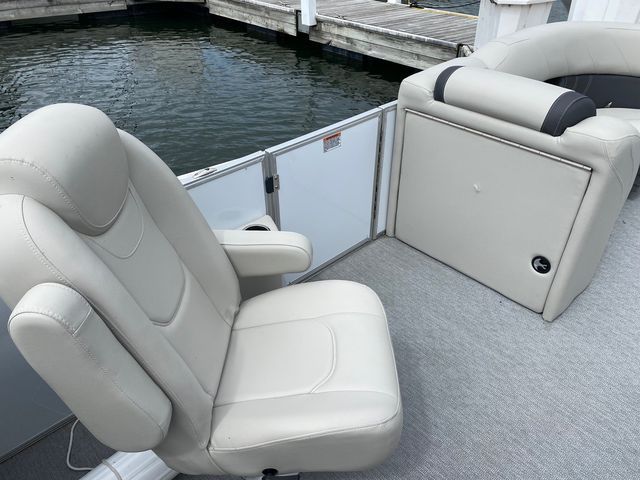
x=68, y=344
x=523, y=101
x=258, y=253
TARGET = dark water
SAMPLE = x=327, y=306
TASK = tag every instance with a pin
x=196, y=93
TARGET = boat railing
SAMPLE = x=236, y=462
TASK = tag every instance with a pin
x=331, y=185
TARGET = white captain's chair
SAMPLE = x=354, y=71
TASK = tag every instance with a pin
x=129, y=308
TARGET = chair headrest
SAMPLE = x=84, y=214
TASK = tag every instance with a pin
x=70, y=158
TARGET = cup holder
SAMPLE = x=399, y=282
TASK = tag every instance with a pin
x=257, y=228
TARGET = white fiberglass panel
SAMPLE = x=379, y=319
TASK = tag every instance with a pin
x=326, y=186
x=234, y=195
x=386, y=155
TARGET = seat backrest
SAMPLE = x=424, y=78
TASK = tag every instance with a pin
x=560, y=49
x=91, y=207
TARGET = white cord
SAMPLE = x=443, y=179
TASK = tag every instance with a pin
x=77, y=469
x=113, y=469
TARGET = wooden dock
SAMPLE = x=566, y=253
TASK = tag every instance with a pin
x=15, y=10
x=397, y=33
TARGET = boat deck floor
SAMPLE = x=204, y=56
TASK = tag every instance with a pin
x=490, y=390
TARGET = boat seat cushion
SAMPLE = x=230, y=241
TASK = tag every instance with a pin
x=309, y=380
x=309, y=376
x=630, y=115
x=519, y=100
x=47, y=160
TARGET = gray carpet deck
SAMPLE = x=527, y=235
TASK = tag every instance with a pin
x=490, y=390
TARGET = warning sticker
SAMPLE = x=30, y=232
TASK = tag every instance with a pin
x=332, y=141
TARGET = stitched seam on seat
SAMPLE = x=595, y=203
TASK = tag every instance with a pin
x=124, y=337
x=84, y=320
x=292, y=395
x=312, y=436
x=47, y=313
x=262, y=244
x=164, y=385
x=308, y=318
x=614, y=40
x=164, y=426
x=320, y=382
x=506, y=56
x=140, y=205
x=605, y=149
x=603, y=144
x=56, y=316
x=36, y=251
x=68, y=290
x=599, y=139
x=213, y=462
x=594, y=64
x=213, y=304
x=137, y=245
x=57, y=186
x=180, y=257
x=42, y=311
x=334, y=362
x=105, y=373
x=286, y=247
x=195, y=377
x=181, y=300
x=161, y=382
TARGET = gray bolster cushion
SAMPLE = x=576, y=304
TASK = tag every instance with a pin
x=523, y=101
x=68, y=344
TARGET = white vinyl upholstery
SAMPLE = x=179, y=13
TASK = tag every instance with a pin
x=304, y=414
x=61, y=185
x=492, y=137
x=259, y=253
x=89, y=213
x=505, y=99
x=630, y=115
x=55, y=319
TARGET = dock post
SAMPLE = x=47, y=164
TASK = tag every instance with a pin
x=308, y=10
x=605, y=10
x=502, y=17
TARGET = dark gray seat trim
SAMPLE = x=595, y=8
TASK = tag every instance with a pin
x=569, y=109
x=617, y=91
x=441, y=82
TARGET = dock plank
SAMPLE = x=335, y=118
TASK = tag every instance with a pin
x=12, y=10
x=398, y=33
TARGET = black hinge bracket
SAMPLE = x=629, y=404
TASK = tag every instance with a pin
x=272, y=184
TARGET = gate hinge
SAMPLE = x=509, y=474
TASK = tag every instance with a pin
x=272, y=183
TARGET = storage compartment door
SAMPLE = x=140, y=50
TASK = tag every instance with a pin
x=486, y=207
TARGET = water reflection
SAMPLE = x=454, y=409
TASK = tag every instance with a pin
x=196, y=93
